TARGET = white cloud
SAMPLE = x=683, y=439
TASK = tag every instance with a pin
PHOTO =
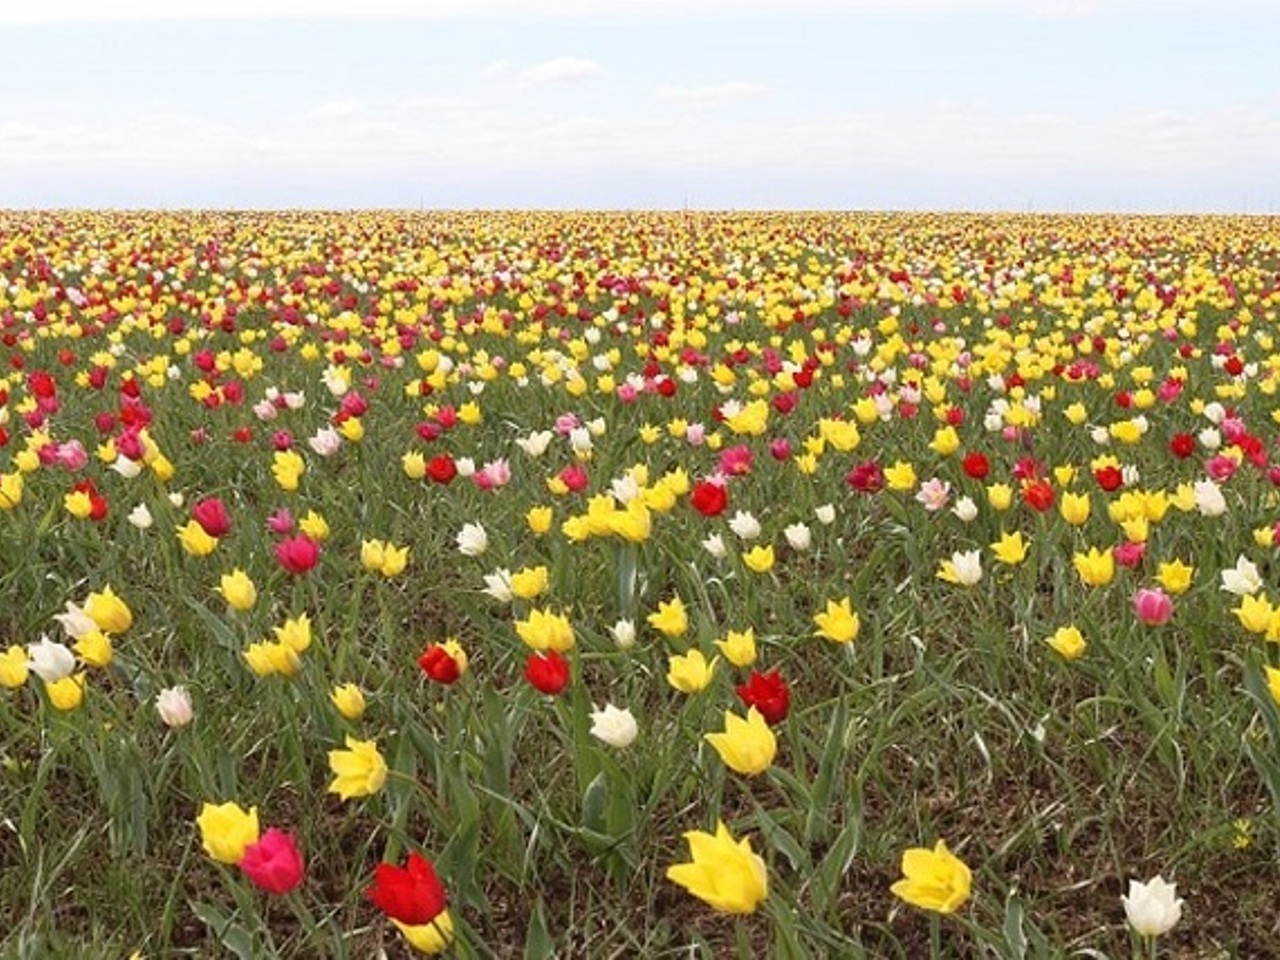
x=335, y=110
x=712, y=94
x=562, y=70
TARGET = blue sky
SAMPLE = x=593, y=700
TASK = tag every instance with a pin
x=925, y=104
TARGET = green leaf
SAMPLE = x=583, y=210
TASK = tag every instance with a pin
x=229, y=933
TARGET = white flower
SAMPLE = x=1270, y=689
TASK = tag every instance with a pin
x=76, y=622
x=126, y=468
x=746, y=526
x=798, y=536
x=1215, y=412
x=140, y=517
x=597, y=426
x=498, y=585
x=466, y=466
x=826, y=514
x=1152, y=908
x=1210, y=438
x=1209, y=499
x=326, y=442
x=714, y=545
x=967, y=567
x=336, y=380
x=50, y=660
x=624, y=634
x=176, y=498
x=1243, y=579
x=295, y=399
x=174, y=706
x=472, y=540
x=265, y=410
x=535, y=445
x=615, y=727
x=1101, y=436
x=965, y=509
x=580, y=440
x=624, y=489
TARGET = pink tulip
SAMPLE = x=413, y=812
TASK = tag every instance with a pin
x=1152, y=606
x=298, y=554
x=274, y=863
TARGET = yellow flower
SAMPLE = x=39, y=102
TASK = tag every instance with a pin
x=670, y=619
x=539, y=519
x=633, y=524
x=94, y=648
x=1254, y=613
x=1011, y=548
x=945, y=441
x=295, y=633
x=10, y=490
x=287, y=466
x=1075, y=508
x=746, y=746
x=739, y=647
x=13, y=667
x=1000, y=496
x=1096, y=568
x=838, y=622
x=689, y=672
x=530, y=582
x=108, y=612
x=359, y=770
x=195, y=541
x=238, y=590
x=226, y=829
x=348, y=699
x=372, y=553
x=544, y=630
x=431, y=938
x=394, y=560
x=759, y=559
x=78, y=504
x=934, y=879
x=314, y=526
x=1076, y=414
x=1069, y=642
x=352, y=429
x=265, y=658
x=67, y=693
x=414, y=465
x=901, y=476
x=1175, y=576
x=1273, y=683
x=724, y=873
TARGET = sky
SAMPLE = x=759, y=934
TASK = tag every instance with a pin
x=1013, y=105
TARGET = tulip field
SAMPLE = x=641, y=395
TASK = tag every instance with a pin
x=638, y=585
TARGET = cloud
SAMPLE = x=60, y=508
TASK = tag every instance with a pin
x=712, y=94
x=562, y=70
x=335, y=110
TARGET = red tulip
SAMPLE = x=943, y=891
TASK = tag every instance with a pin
x=412, y=894
x=547, y=672
x=768, y=693
x=709, y=498
x=441, y=469
x=211, y=513
x=274, y=863
x=298, y=554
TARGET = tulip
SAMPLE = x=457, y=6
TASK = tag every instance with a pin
x=614, y=726
x=547, y=672
x=690, y=672
x=1068, y=641
x=238, y=590
x=348, y=699
x=212, y=516
x=358, y=771
x=839, y=622
x=722, y=872
x=746, y=746
x=739, y=647
x=670, y=619
x=544, y=630
x=1152, y=908
x=1152, y=606
x=14, y=667
x=108, y=611
x=768, y=693
x=298, y=555
x=174, y=706
x=444, y=662
x=226, y=829
x=274, y=862
x=934, y=879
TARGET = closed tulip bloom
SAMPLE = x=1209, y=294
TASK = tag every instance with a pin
x=174, y=707
x=108, y=611
x=444, y=662
x=768, y=693
x=539, y=519
x=934, y=879
x=1075, y=508
x=759, y=559
x=195, y=541
x=547, y=672
x=372, y=553
x=1273, y=683
x=1152, y=606
x=615, y=726
x=1152, y=908
x=50, y=660
x=274, y=862
x=348, y=699
x=94, y=649
x=226, y=829
x=739, y=647
x=213, y=516
x=839, y=622
x=359, y=770
x=530, y=582
x=472, y=540
x=295, y=633
x=13, y=667
x=238, y=590
x=66, y=693
x=746, y=746
x=266, y=659
x=414, y=899
x=722, y=872
x=298, y=555
x=1175, y=576
x=689, y=672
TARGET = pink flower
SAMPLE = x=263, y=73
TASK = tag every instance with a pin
x=274, y=863
x=1152, y=606
x=72, y=455
x=298, y=554
x=566, y=423
x=211, y=513
x=780, y=448
x=1129, y=554
x=626, y=393
x=1219, y=469
x=574, y=477
x=281, y=522
x=494, y=474
x=736, y=461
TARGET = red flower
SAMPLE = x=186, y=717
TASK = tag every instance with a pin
x=709, y=498
x=97, y=502
x=438, y=664
x=1038, y=495
x=547, y=672
x=768, y=693
x=298, y=554
x=412, y=894
x=977, y=466
x=441, y=469
x=867, y=477
x=1182, y=445
x=274, y=863
x=1109, y=478
x=211, y=513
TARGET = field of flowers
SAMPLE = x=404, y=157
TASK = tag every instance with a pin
x=638, y=585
